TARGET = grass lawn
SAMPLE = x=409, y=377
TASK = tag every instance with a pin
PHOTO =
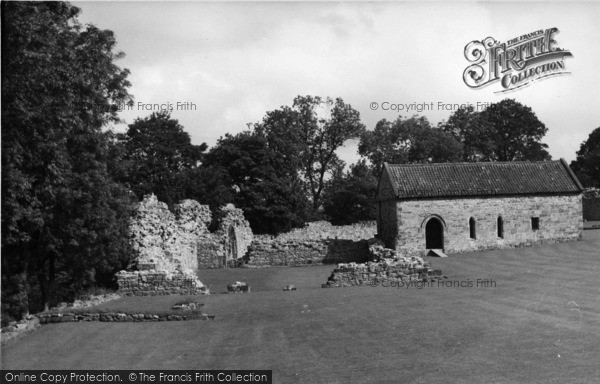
x=540, y=323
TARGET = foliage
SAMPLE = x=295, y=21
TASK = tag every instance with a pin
x=263, y=182
x=351, y=198
x=308, y=134
x=587, y=164
x=504, y=131
x=157, y=153
x=411, y=140
x=63, y=217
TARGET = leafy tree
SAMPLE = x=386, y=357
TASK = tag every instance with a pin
x=352, y=196
x=504, y=131
x=472, y=130
x=156, y=151
x=587, y=164
x=308, y=134
x=263, y=183
x=411, y=140
x=63, y=217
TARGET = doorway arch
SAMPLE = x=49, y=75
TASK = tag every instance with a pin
x=434, y=234
x=231, y=248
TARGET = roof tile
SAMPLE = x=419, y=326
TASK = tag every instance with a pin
x=483, y=179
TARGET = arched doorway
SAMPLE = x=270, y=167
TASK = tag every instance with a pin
x=232, y=251
x=434, y=234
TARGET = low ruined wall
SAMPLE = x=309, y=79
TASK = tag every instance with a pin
x=323, y=230
x=116, y=317
x=381, y=273
x=317, y=243
x=153, y=283
x=591, y=205
x=294, y=253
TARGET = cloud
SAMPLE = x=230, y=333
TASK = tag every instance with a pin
x=236, y=61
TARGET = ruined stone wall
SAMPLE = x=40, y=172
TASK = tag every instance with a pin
x=560, y=219
x=317, y=243
x=180, y=242
x=228, y=244
x=154, y=283
x=167, y=240
x=386, y=267
x=322, y=230
x=297, y=253
x=382, y=273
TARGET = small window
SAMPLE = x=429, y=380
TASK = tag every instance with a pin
x=472, y=229
x=535, y=223
x=500, y=227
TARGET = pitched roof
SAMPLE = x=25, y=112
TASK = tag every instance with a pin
x=480, y=179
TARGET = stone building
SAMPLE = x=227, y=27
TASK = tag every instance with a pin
x=463, y=207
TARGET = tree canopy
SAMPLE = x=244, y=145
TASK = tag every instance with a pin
x=63, y=217
x=351, y=195
x=504, y=131
x=587, y=164
x=411, y=140
x=308, y=134
x=262, y=181
x=156, y=154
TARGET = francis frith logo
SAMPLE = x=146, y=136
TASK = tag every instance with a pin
x=515, y=63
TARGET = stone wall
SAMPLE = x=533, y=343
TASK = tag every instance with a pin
x=560, y=219
x=167, y=240
x=116, y=317
x=591, y=205
x=386, y=267
x=317, y=243
x=153, y=283
x=323, y=230
x=180, y=242
x=228, y=244
x=387, y=223
x=296, y=253
x=383, y=273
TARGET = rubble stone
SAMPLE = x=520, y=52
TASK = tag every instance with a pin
x=317, y=243
x=387, y=265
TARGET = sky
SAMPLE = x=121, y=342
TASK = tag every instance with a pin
x=229, y=63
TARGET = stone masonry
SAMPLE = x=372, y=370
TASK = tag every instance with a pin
x=386, y=268
x=560, y=219
x=466, y=207
x=165, y=240
x=317, y=243
x=229, y=244
x=170, y=246
x=153, y=283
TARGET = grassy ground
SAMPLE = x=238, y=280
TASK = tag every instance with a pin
x=540, y=323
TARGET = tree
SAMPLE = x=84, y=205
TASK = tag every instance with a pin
x=263, y=183
x=63, y=217
x=504, y=131
x=472, y=130
x=411, y=140
x=351, y=198
x=308, y=135
x=156, y=152
x=587, y=164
